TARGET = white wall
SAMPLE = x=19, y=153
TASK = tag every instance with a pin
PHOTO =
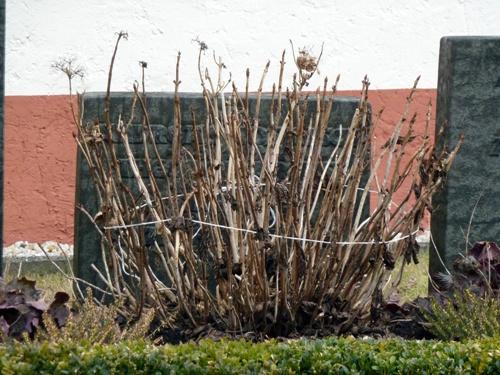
x=391, y=41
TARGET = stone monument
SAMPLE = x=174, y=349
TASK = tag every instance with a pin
x=468, y=102
x=160, y=110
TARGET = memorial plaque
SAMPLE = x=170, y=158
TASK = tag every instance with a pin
x=160, y=110
x=468, y=103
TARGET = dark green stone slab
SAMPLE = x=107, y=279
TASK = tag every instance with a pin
x=468, y=102
x=160, y=107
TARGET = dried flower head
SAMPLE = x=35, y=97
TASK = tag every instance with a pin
x=68, y=66
x=203, y=46
x=306, y=61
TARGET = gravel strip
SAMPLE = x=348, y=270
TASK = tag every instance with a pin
x=31, y=252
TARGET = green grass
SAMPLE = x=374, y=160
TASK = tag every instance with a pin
x=49, y=283
x=414, y=282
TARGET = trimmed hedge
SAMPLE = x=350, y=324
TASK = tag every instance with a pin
x=328, y=356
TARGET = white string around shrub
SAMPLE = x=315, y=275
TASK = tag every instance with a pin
x=372, y=242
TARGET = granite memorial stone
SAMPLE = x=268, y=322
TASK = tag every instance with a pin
x=160, y=110
x=468, y=102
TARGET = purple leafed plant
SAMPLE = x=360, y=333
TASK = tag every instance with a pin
x=22, y=307
x=478, y=270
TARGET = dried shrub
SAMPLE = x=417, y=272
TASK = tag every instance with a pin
x=277, y=254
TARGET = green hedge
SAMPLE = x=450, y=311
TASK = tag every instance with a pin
x=329, y=356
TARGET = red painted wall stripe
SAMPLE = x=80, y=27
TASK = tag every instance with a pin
x=40, y=163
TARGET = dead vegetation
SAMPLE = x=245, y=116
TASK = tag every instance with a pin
x=244, y=246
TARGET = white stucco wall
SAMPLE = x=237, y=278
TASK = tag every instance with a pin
x=391, y=41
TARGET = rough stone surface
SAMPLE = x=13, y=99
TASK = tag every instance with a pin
x=87, y=242
x=469, y=103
